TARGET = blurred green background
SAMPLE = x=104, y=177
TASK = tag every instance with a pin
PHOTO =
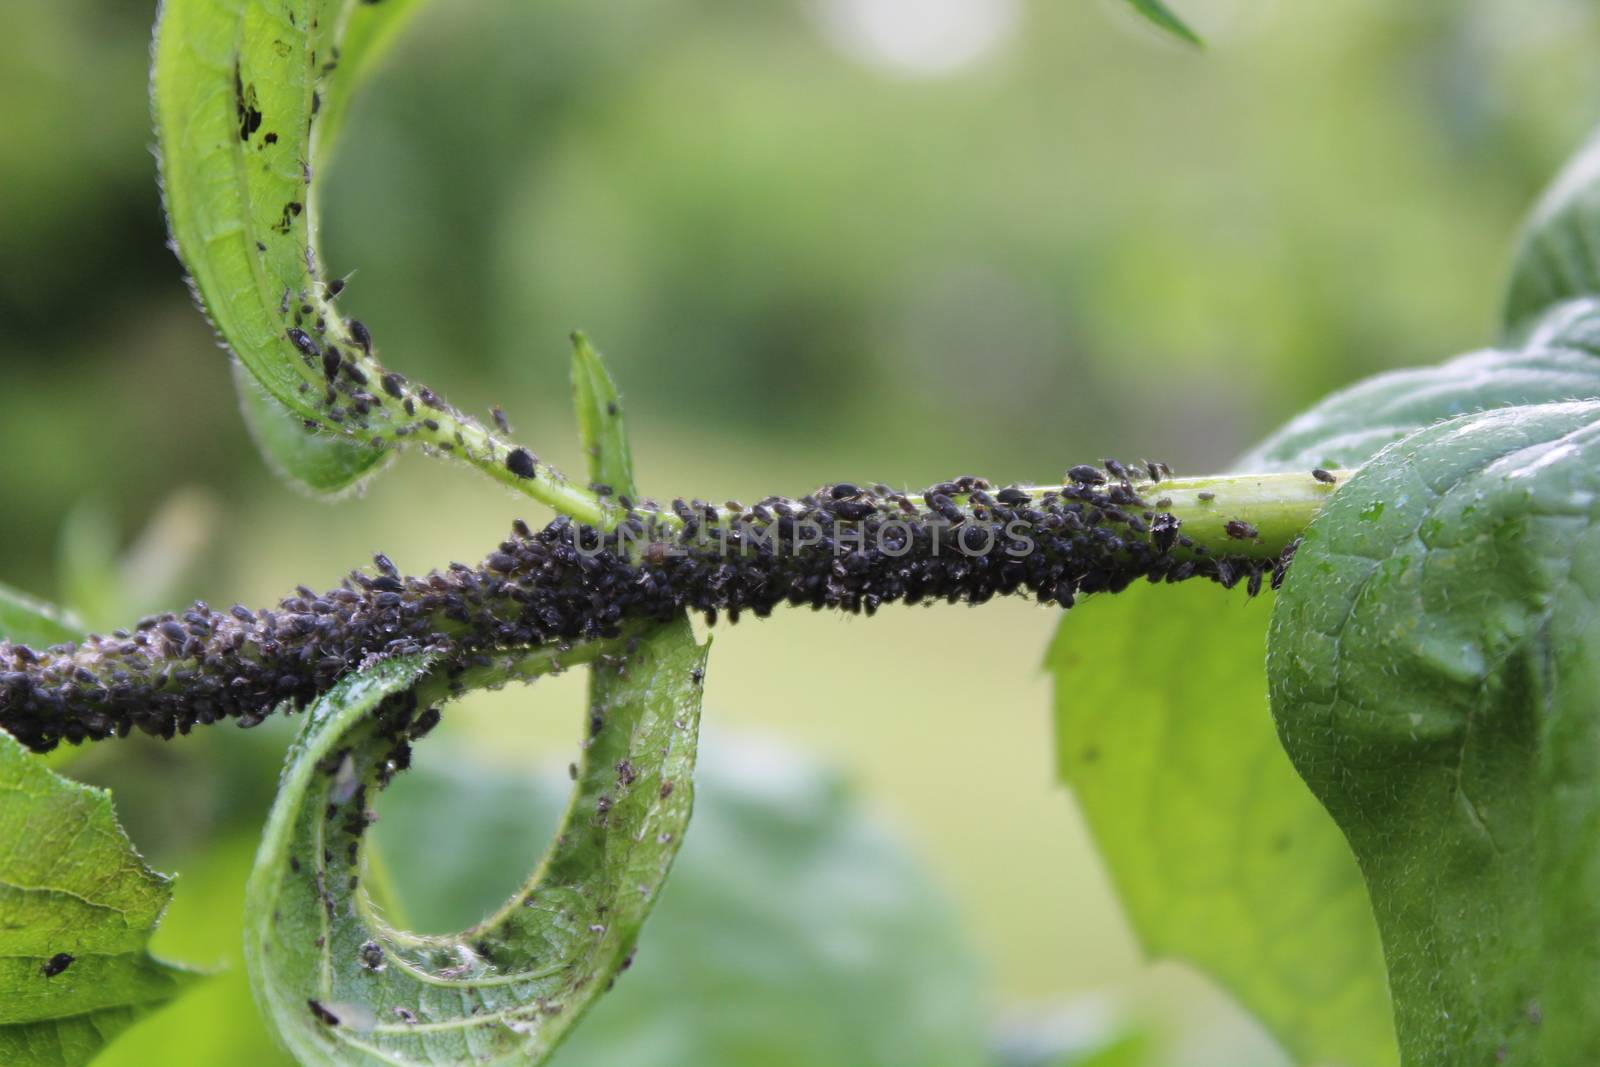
x=822, y=239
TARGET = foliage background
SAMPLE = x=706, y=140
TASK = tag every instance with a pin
x=818, y=239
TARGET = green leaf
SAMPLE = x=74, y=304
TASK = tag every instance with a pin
x=507, y=990
x=1433, y=663
x=26, y=621
x=600, y=421
x=1162, y=16
x=1219, y=852
x=303, y=456
x=1558, y=362
x=239, y=92
x=77, y=908
x=787, y=905
x=1558, y=253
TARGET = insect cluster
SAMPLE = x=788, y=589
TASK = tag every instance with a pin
x=845, y=547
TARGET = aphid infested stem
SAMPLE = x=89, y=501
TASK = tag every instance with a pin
x=845, y=547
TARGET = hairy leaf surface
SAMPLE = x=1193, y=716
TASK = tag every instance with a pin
x=1434, y=658
x=77, y=908
x=1220, y=854
x=241, y=91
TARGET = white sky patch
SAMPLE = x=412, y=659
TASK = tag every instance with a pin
x=919, y=37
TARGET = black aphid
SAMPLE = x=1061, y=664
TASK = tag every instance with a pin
x=519, y=461
x=1164, y=531
x=302, y=340
x=360, y=335
x=1084, y=474
x=1323, y=476
x=57, y=963
x=394, y=384
x=1240, y=530
x=500, y=421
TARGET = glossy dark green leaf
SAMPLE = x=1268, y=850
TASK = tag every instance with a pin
x=77, y=908
x=794, y=930
x=1433, y=662
x=1558, y=254
x=1220, y=854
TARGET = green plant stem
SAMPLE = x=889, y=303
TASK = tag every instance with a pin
x=466, y=439
x=1276, y=506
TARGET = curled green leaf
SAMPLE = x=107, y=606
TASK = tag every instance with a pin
x=243, y=95
x=235, y=89
x=77, y=908
x=342, y=986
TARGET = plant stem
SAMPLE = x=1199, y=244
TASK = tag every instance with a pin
x=1276, y=506
x=844, y=548
x=466, y=439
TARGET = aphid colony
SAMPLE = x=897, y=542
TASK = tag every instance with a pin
x=845, y=547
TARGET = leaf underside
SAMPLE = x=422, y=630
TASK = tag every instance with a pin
x=1220, y=854
x=77, y=908
x=246, y=96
